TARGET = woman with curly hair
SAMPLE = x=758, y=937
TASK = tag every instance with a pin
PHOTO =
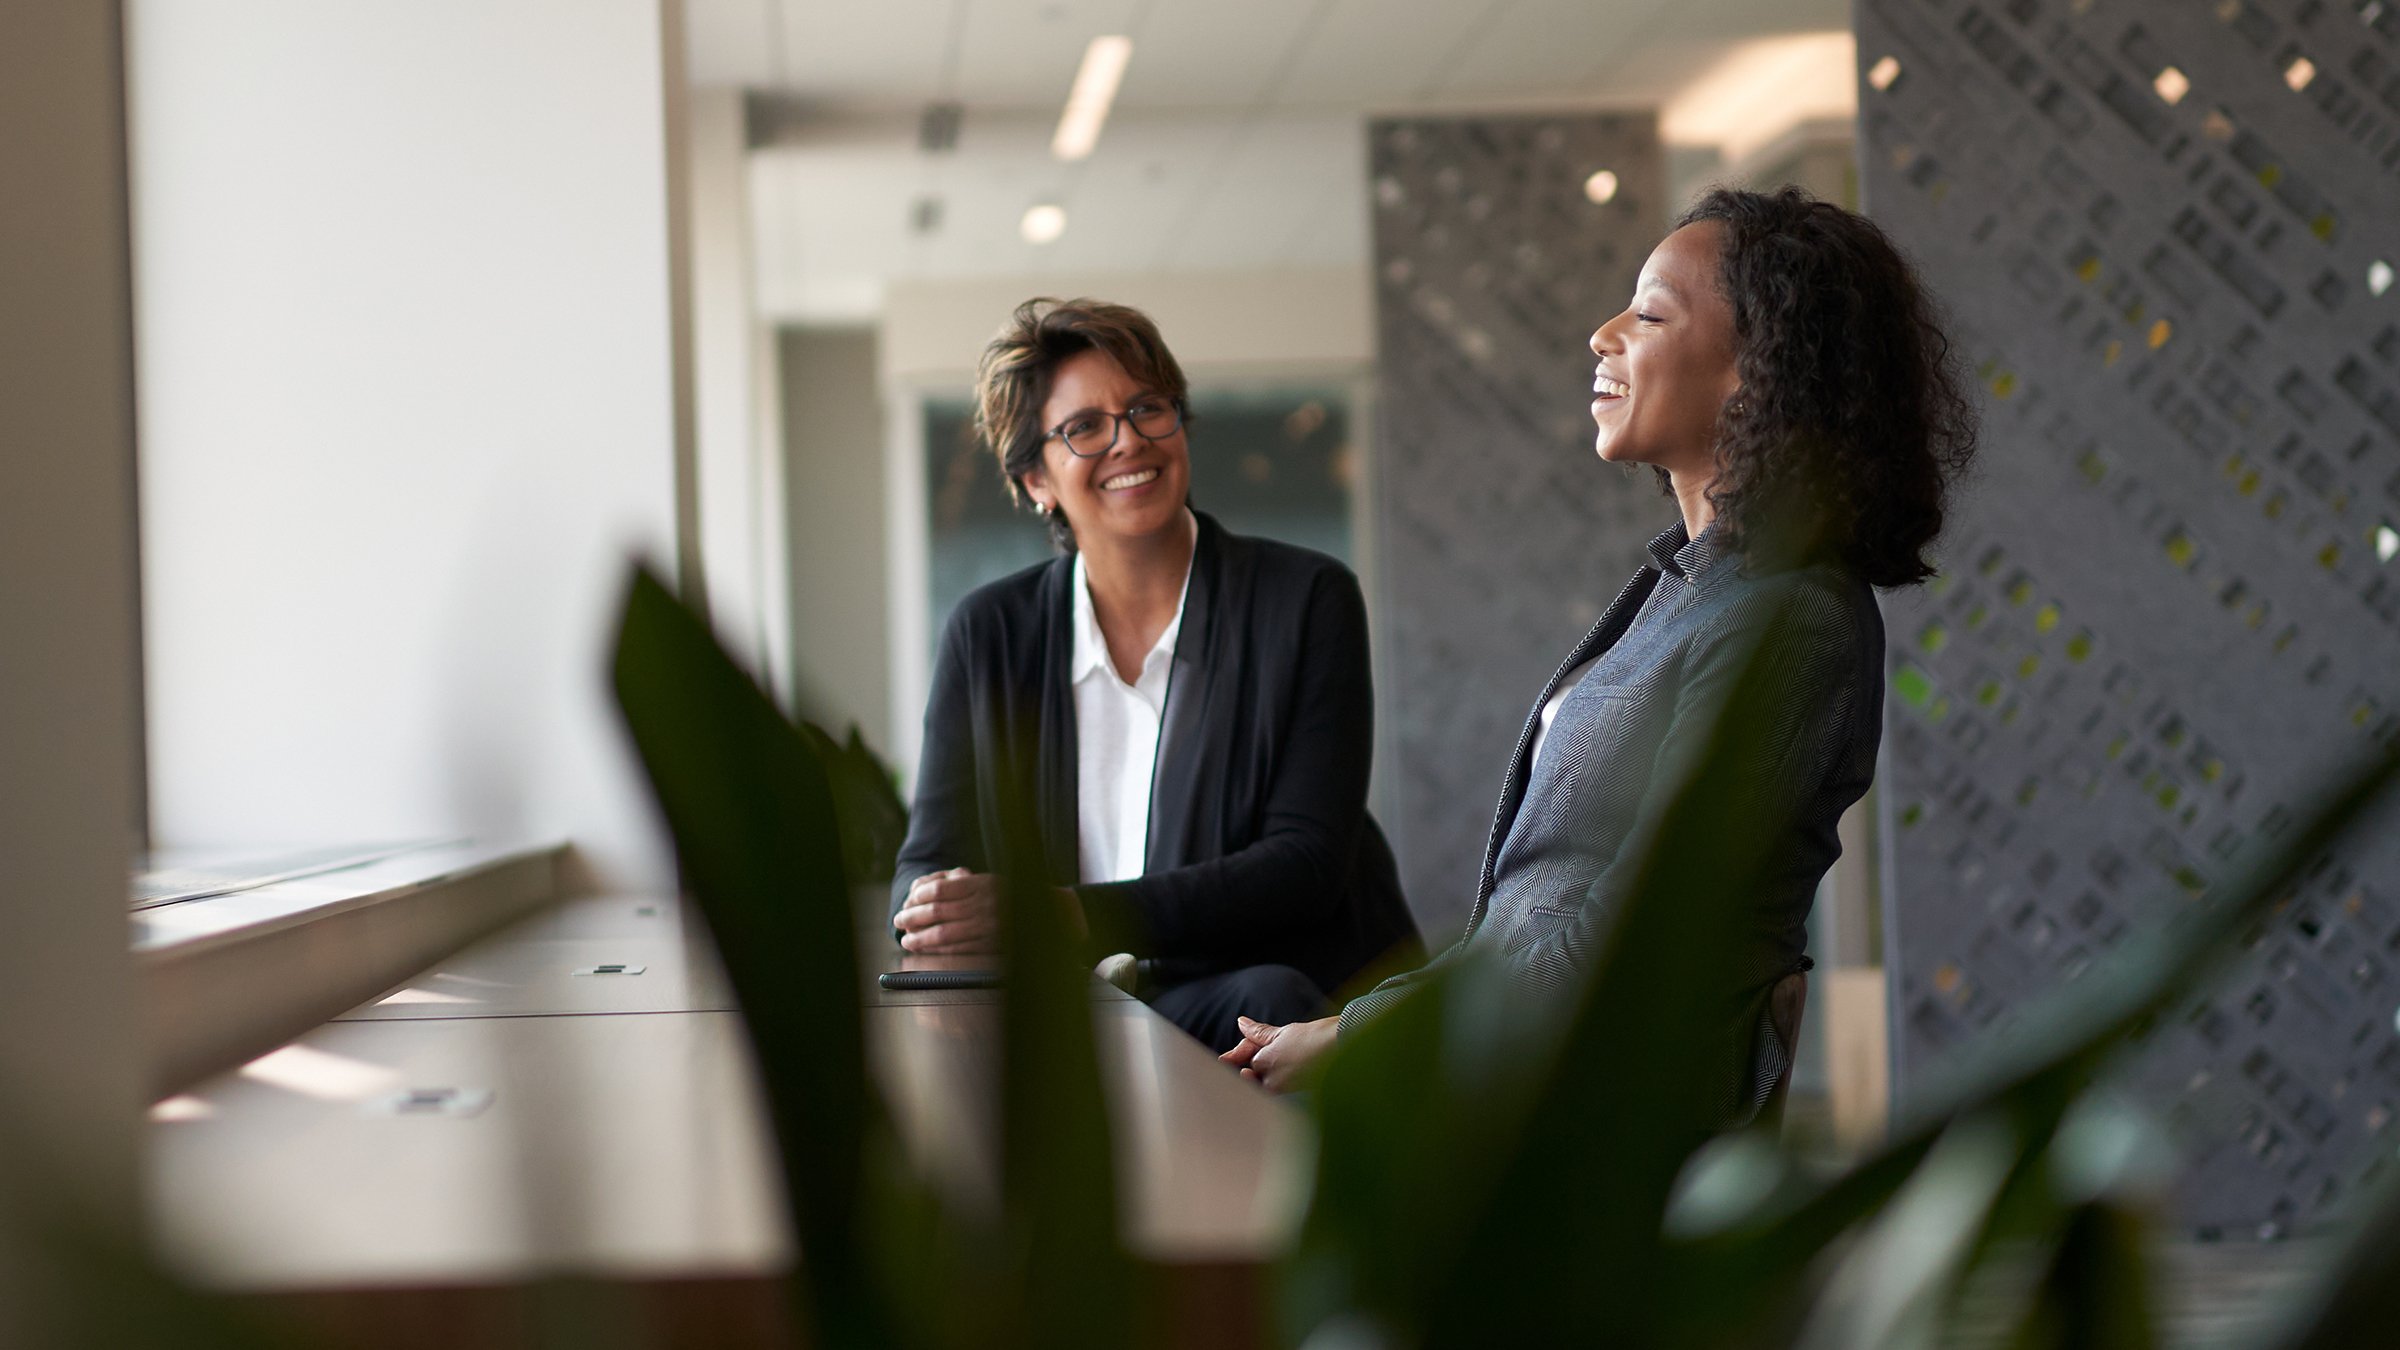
x=1782, y=370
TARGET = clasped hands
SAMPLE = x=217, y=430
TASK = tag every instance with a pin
x=957, y=913
x=1282, y=1059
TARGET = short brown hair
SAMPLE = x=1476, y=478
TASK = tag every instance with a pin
x=1012, y=381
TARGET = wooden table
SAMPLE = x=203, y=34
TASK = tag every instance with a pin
x=622, y=1137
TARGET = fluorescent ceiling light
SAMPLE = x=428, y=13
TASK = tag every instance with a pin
x=1087, y=103
x=1761, y=89
x=1043, y=223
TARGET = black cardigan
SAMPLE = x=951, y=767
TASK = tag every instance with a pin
x=1260, y=850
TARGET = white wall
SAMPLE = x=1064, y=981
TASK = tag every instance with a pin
x=406, y=407
x=71, y=1061
x=740, y=467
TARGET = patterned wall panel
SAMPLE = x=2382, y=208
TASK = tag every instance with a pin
x=2167, y=231
x=1501, y=534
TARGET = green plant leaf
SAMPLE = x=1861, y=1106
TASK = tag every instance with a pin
x=1408, y=1114
x=1540, y=1134
x=2356, y=1304
x=2094, y=1291
x=1747, y=1271
x=1073, y=1284
x=1893, y=1287
x=755, y=830
x=1642, y=1071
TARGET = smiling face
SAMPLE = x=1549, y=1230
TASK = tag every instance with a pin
x=1666, y=364
x=1133, y=491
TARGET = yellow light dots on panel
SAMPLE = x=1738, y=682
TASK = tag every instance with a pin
x=2300, y=73
x=2172, y=85
x=1883, y=74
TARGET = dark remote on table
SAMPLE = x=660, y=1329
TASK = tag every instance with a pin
x=903, y=981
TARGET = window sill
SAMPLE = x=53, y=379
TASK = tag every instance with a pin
x=231, y=977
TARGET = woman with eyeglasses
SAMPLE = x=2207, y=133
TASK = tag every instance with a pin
x=1182, y=716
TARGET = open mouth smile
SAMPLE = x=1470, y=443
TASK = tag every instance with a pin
x=1128, y=480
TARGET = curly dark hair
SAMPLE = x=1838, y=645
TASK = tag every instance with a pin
x=1853, y=417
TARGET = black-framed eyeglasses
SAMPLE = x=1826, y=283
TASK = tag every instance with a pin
x=1093, y=433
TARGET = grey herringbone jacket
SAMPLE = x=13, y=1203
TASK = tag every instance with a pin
x=1662, y=657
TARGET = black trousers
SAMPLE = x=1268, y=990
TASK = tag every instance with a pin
x=1206, y=1006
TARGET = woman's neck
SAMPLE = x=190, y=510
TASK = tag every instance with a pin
x=1136, y=585
x=1691, y=495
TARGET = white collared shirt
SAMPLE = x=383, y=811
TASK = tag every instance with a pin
x=1116, y=741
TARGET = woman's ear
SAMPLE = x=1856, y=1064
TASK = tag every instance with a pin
x=1035, y=484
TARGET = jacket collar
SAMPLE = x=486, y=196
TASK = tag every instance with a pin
x=1677, y=554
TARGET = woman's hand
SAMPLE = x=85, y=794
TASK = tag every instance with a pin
x=957, y=913
x=950, y=913
x=1281, y=1059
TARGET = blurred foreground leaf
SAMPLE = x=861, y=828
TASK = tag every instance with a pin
x=1748, y=1268
x=2357, y=1302
x=756, y=832
x=1072, y=1283
x=1541, y=1155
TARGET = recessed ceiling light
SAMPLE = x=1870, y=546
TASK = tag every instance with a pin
x=1087, y=103
x=2299, y=73
x=2172, y=85
x=1044, y=222
x=2387, y=543
x=1884, y=72
x=2379, y=277
x=1601, y=187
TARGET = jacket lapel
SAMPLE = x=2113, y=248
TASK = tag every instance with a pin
x=1192, y=681
x=1602, y=636
x=1054, y=740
